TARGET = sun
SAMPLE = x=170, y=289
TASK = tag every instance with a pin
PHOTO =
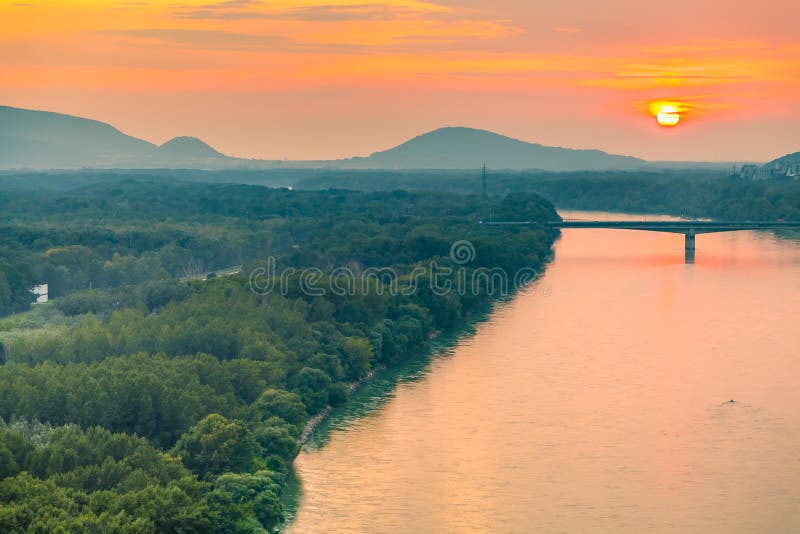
x=668, y=115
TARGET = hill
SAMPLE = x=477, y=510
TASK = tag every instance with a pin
x=188, y=147
x=788, y=165
x=41, y=139
x=45, y=140
x=468, y=148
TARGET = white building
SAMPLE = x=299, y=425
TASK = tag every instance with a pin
x=41, y=293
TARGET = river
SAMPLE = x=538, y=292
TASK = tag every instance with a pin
x=596, y=400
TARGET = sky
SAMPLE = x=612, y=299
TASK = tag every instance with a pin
x=321, y=79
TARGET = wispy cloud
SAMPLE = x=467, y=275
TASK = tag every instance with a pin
x=314, y=10
x=703, y=47
x=567, y=29
x=352, y=12
x=698, y=63
x=300, y=26
x=203, y=39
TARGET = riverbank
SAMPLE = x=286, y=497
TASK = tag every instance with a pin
x=582, y=411
x=370, y=393
x=236, y=362
x=313, y=423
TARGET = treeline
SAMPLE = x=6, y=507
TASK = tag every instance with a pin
x=130, y=232
x=111, y=234
x=695, y=193
x=721, y=199
x=68, y=479
x=213, y=379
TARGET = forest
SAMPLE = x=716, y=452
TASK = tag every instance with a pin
x=152, y=396
x=692, y=193
x=727, y=199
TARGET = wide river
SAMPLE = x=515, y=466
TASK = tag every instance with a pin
x=596, y=400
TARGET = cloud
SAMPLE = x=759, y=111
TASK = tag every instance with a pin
x=699, y=63
x=349, y=12
x=229, y=4
x=566, y=29
x=703, y=47
x=315, y=11
x=319, y=25
x=205, y=39
x=225, y=5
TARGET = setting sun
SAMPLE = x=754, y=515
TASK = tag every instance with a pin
x=668, y=113
x=668, y=116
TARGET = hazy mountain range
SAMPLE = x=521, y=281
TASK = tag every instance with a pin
x=467, y=148
x=45, y=140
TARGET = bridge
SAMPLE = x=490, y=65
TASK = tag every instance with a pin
x=688, y=228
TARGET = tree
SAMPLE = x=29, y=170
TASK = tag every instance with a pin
x=256, y=494
x=312, y=386
x=279, y=403
x=358, y=355
x=275, y=438
x=215, y=445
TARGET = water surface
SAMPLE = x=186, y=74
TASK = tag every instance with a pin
x=594, y=401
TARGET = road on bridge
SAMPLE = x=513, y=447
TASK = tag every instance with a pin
x=688, y=228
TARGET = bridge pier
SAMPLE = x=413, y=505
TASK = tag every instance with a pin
x=689, y=252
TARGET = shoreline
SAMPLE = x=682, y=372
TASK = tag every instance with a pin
x=312, y=424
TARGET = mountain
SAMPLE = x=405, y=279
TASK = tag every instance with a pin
x=468, y=148
x=189, y=148
x=40, y=139
x=44, y=140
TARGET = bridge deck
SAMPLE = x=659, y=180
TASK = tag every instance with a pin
x=678, y=227
x=688, y=228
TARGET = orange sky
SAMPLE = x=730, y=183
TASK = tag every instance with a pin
x=310, y=79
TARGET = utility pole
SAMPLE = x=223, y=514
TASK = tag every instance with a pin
x=484, y=181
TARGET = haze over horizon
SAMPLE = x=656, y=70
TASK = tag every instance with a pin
x=322, y=79
x=378, y=266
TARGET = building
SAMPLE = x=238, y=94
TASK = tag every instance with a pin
x=785, y=168
x=748, y=172
x=41, y=292
x=777, y=169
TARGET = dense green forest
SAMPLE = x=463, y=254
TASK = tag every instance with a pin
x=141, y=400
x=116, y=234
x=696, y=193
x=153, y=396
x=108, y=246
x=723, y=199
